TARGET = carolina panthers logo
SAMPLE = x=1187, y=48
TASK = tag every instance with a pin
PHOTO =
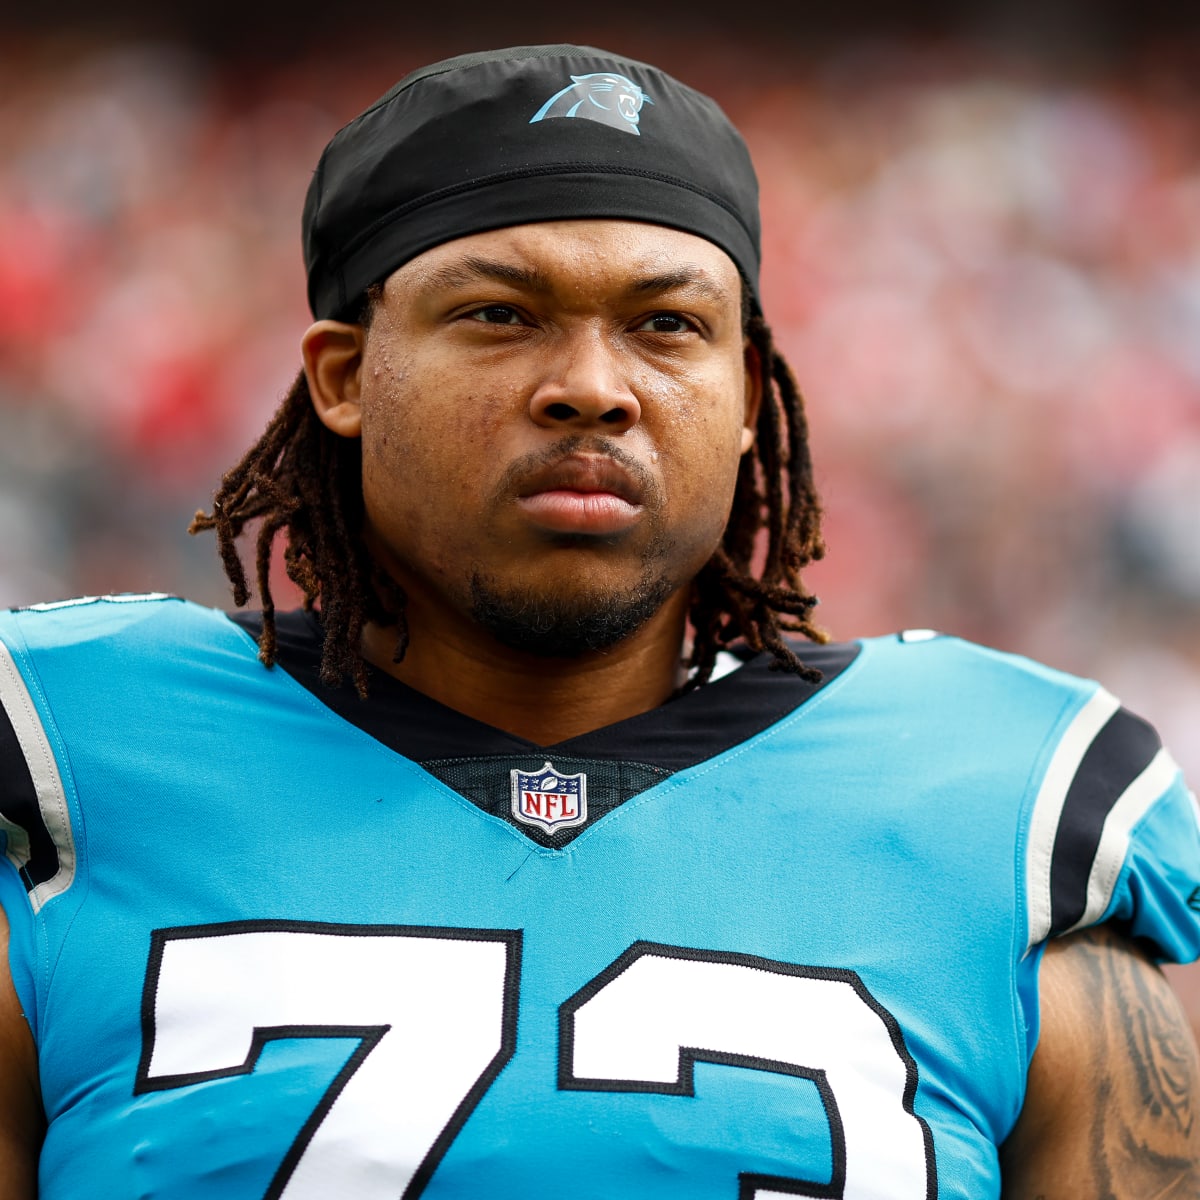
x=610, y=99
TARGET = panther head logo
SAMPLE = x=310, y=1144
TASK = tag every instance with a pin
x=602, y=96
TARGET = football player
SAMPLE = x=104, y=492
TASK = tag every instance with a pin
x=551, y=850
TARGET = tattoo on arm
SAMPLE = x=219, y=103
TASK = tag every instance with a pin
x=1158, y=1045
x=1145, y=1078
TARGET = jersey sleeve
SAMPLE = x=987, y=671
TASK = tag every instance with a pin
x=1114, y=836
x=36, y=837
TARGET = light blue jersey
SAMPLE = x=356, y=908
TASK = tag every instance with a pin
x=768, y=940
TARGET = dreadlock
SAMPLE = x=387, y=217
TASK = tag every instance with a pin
x=775, y=496
x=301, y=478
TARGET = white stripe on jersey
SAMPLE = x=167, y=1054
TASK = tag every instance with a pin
x=47, y=783
x=1048, y=807
x=1132, y=806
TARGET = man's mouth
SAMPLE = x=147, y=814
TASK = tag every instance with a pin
x=584, y=494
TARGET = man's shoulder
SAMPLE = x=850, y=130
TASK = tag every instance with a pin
x=912, y=678
x=931, y=657
x=113, y=633
x=84, y=619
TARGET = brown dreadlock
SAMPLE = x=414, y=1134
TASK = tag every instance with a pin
x=302, y=478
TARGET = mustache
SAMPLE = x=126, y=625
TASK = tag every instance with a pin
x=536, y=462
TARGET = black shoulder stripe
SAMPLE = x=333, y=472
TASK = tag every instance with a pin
x=1119, y=753
x=30, y=845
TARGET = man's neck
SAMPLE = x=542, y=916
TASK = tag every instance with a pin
x=545, y=700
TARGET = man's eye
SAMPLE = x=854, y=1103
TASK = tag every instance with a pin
x=497, y=314
x=664, y=323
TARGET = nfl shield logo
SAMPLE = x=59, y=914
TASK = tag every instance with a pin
x=548, y=799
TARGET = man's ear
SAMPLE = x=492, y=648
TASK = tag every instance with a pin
x=332, y=352
x=754, y=394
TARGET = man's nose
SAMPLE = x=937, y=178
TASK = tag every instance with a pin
x=586, y=385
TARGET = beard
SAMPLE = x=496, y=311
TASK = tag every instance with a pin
x=551, y=625
x=536, y=619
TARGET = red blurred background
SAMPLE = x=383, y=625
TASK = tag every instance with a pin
x=982, y=256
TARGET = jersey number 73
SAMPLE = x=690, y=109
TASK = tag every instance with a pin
x=434, y=1012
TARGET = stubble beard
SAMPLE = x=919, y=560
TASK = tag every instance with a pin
x=557, y=625
x=534, y=618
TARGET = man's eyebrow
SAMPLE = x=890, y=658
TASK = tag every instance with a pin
x=688, y=279
x=472, y=269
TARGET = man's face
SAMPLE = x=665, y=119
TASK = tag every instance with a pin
x=552, y=417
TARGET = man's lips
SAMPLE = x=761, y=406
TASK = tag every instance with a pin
x=583, y=494
x=595, y=513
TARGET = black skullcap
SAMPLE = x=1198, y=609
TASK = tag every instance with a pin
x=532, y=133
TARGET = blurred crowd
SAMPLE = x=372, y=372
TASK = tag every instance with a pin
x=985, y=272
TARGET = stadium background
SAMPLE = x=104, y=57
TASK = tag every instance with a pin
x=982, y=255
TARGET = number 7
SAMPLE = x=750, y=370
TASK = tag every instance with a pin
x=436, y=1010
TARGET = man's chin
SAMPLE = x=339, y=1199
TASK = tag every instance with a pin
x=558, y=626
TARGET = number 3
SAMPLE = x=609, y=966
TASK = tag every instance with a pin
x=435, y=1010
x=643, y=1024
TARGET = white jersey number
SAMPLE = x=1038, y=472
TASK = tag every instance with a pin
x=643, y=1024
x=435, y=1013
x=435, y=1010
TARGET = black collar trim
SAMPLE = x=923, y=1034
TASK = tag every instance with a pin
x=679, y=734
